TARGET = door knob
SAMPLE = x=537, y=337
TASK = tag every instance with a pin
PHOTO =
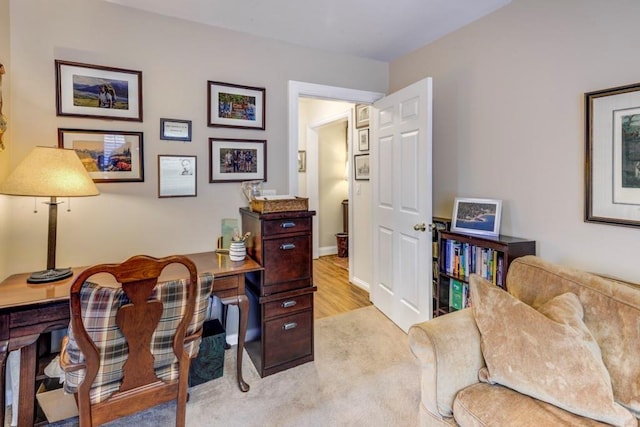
x=420, y=227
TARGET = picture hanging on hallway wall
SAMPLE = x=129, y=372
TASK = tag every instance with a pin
x=612, y=166
x=362, y=115
x=363, y=139
x=108, y=155
x=237, y=160
x=361, y=167
x=235, y=106
x=98, y=92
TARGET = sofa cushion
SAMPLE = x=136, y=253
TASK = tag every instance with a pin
x=550, y=356
x=611, y=312
x=483, y=404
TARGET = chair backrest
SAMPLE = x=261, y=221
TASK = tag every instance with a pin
x=132, y=336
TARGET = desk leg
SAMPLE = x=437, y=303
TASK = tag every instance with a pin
x=4, y=350
x=243, y=313
x=243, y=309
x=27, y=393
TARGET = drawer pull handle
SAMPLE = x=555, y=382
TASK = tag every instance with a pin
x=287, y=246
x=288, y=326
x=288, y=304
x=289, y=224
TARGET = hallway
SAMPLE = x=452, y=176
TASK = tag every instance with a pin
x=335, y=294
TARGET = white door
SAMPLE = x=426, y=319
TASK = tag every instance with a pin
x=401, y=171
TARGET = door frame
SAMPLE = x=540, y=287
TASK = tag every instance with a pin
x=299, y=89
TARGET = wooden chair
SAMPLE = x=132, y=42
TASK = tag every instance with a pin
x=134, y=340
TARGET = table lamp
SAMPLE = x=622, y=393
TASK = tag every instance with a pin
x=50, y=172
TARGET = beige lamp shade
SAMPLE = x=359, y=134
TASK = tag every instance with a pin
x=50, y=172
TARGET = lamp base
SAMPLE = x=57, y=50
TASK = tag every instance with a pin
x=52, y=275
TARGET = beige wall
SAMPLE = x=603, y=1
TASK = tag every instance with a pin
x=176, y=58
x=509, y=119
x=6, y=110
x=332, y=149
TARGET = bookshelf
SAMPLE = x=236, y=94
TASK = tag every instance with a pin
x=439, y=224
x=462, y=254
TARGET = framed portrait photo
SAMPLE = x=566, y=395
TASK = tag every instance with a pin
x=235, y=106
x=361, y=167
x=177, y=176
x=476, y=216
x=175, y=130
x=612, y=166
x=108, y=155
x=98, y=92
x=237, y=160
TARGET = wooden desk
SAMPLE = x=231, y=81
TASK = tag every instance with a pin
x=28, y=310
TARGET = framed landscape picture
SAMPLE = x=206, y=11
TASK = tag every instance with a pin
x=237, y=160
x=108, y=155
x=235, y=106
x=476, y=216
x=94, y=91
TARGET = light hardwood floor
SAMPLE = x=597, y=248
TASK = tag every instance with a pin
x=335, y=294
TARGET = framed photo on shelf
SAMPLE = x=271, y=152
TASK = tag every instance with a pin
x=235, y=106
x=476, y=216
x=98, y=92
x=237, y=160
x=108, y=155
x=175, y=130
x=177, y=176
x=612, y=166
x=361, y=167
x=302, y=161
x=362, y=115
x=363, y=139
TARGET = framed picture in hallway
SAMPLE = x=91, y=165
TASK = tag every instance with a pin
x=361, y=167
x=362, y=115
x=612, y=166
x=235, y=106
x=363, y=139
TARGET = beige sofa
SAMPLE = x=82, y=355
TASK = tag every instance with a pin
x=455, y=389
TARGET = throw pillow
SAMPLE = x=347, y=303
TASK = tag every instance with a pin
x=547, y=354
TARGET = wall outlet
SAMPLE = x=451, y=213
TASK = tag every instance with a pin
x=267, y=192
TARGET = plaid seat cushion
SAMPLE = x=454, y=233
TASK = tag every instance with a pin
x=100, y=306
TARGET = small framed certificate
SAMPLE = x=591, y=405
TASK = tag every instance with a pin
x=175, y=130
x=177, y=176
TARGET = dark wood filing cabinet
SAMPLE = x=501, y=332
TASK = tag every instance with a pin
x=282, y=294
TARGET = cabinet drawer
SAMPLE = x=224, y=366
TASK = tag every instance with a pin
x=288, y=338
x=287, y=259
x=287, y=306
x=274, y=227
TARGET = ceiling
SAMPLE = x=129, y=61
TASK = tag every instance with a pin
x=375, y=29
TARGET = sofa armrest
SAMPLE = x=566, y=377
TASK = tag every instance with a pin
x=448, y=350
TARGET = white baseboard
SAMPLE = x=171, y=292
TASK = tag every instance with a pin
x=361, y=284
x=327, y=250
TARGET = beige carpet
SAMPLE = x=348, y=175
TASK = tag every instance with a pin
x=363, y=374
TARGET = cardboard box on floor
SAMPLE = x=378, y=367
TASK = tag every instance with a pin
x=55, y=404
